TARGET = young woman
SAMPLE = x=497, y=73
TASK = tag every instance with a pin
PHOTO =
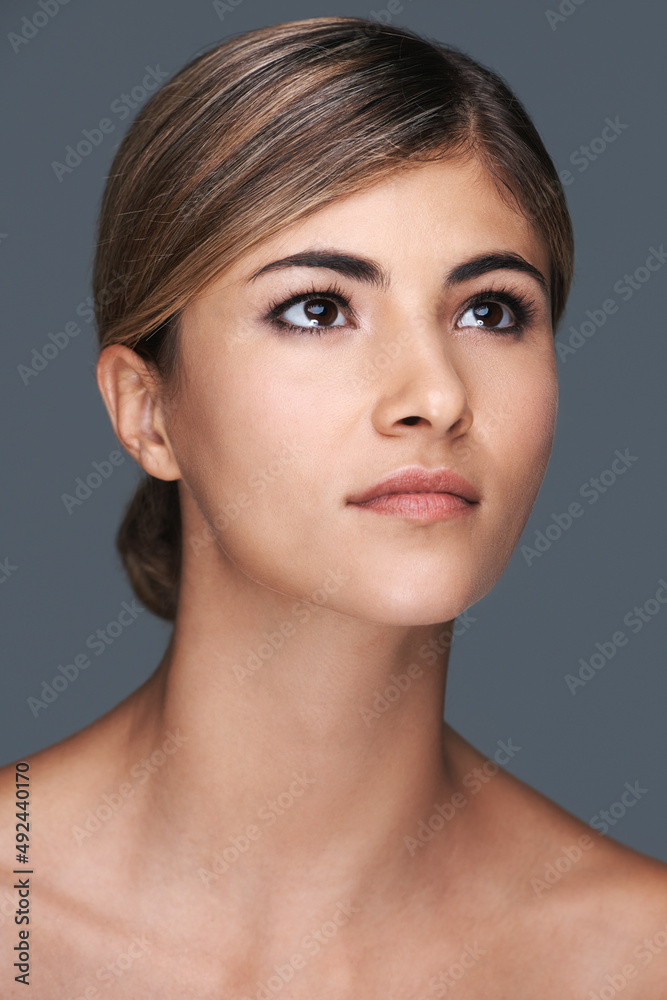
x=344, y=252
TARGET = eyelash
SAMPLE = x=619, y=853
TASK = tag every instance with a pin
x=523, y=308
x=333, y=292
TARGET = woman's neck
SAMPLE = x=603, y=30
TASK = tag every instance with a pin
x=306, y=741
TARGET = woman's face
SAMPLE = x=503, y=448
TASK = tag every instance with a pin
x=418, y=358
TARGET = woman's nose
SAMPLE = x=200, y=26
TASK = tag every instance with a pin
x=421, y=385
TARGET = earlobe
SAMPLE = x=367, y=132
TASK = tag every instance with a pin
x=129, y=389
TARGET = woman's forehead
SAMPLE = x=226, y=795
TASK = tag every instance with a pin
x=444, y=211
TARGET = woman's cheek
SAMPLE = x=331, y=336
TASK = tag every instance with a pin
x=545, y=411
x=535, y=434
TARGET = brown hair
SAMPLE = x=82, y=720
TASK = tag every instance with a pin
x=257, y=133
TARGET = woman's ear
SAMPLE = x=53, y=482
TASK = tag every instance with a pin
x=129, y=388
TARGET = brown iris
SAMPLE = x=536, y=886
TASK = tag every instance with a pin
x=488, y=314
x=322, y=310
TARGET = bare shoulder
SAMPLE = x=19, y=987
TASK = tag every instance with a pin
x=58, y=785
x=606, y=904
x=581, y=904
x=62, y=890
x=47, y=773
x=30, y=787
x=66, y=776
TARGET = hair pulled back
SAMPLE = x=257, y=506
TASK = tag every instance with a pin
x=256, y=134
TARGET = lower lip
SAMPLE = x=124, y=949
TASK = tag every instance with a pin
x=419, y=506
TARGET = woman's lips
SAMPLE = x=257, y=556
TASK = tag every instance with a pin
x=419, y=493
x=420, y=506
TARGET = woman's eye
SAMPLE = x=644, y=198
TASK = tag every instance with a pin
x=314, y=312
x=492, y=315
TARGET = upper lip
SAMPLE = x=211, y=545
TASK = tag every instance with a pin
x=417, y=479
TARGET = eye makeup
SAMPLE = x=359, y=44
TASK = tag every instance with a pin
x=522, y=308
x=332, y=293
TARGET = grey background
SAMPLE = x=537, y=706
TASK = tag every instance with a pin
x=604, y=59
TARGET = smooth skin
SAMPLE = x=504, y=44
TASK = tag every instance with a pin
x=278, y=836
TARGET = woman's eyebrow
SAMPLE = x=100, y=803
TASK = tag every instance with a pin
x=359, y=268
x=502, y=260
x=372, y=273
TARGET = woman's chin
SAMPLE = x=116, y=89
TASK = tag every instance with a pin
x=384, y=607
